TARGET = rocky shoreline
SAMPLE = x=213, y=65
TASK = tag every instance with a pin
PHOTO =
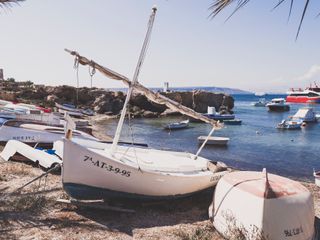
x=111, y=102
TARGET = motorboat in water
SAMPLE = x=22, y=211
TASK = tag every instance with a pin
x=278, y=105
x=232, y=122
x=305, y=114
x=290, y=124
x=177, y=125
x=217, y=116
x=261, y=103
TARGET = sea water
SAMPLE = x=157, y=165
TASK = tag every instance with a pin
x=254, y=145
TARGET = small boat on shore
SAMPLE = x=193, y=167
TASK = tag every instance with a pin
x=316, y=175
x=232, y=122
x=35, y=132
x=177, y=125
x=221, y=141
x=290, y=125
x=45, y=158
x=278, y=105
x=259, y=205
x=71, y=110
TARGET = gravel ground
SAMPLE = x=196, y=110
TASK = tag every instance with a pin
x=34, y=212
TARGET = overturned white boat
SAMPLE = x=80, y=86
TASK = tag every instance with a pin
x=132, y=172
x=45, y=158
x=258, y=205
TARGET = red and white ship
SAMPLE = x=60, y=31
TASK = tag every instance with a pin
x=309, y=95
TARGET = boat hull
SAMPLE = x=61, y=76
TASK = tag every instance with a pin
x=87, y=174
x=303, y=99
x=220, y=117
x=274, y=108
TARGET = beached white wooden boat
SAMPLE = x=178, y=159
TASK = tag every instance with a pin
x=213, y=140
x=134, y=172
x=262, y=206
x=177, y=125
x=35, y=132
x=46, y=159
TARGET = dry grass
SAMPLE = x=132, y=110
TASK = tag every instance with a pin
x=27, y=202
x=19, y=169
x=200, y=233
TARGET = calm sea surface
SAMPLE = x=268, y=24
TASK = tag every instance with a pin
x=254, y=145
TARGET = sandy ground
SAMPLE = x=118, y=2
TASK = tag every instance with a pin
x=34, y=213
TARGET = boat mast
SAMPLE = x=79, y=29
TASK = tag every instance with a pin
x=134, y=80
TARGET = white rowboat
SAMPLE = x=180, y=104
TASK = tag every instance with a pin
x=214, y=140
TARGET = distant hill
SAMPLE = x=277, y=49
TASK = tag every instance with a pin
x=213, y=89
x=230, y=91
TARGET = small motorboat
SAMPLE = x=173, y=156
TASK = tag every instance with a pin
x=232, y=122
x=290, y=124
x=259, y=205
x=212, y=114
x=221, y=117
x=316, y=175
x=261, y=103
x=278, y=105
x=305, y=114
x=221, y=141
x=177, y=125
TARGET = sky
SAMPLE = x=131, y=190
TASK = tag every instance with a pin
x=255, y=50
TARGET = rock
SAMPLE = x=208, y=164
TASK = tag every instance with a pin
x=149, y=114
x=169, y=112
x=52, y=98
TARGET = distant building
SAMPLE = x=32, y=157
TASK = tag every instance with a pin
x=166, y=87
x=1, y=74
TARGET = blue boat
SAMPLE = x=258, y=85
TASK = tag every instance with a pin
x=218, y=116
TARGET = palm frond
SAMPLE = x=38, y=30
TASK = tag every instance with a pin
x=218, y=5
x=8, y=3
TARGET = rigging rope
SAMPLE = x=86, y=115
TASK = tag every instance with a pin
x=132, y=139
x=92, y=71
x=76, y=67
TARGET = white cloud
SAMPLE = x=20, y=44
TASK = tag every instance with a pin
x=311, y=74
